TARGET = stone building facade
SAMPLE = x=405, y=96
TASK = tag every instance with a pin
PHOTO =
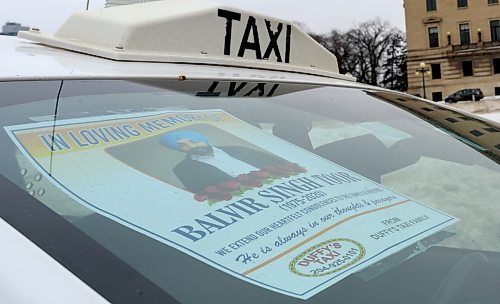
x=459, y=42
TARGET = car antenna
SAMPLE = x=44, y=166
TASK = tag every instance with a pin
x=54, y=127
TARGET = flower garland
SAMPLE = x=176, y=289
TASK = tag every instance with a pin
x=235, y=187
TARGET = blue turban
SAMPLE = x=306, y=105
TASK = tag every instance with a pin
x=169, y=140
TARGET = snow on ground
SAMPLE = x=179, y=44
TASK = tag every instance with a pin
x=488, y=108
x=495, y=116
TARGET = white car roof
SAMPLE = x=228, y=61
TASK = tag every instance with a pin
x=25, y=60
x=84, y=47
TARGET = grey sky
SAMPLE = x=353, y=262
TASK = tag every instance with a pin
x=320, y=16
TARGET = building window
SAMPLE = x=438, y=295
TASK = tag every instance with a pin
x=464, y=33
x=436, y=70
x=467, y=68
x=462, y=3
x=497, y=91
x=431, y=5
x=437, y=96
x=433, y=37
x=496, y=65
x=495, y=30
x=492, y=1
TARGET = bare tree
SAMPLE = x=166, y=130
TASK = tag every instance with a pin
x=395, y=72
x=364, y=50
x=344, y=49
x=373, y=39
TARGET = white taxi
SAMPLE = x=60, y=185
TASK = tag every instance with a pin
x=186, y=152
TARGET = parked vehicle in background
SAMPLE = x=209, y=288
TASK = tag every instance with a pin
x=465, y=94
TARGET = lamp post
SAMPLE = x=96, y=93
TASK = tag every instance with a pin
x=424, y=69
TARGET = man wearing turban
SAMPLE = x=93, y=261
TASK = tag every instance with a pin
x=207, y=165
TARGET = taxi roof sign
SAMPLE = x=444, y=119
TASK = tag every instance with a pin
x=191, y=31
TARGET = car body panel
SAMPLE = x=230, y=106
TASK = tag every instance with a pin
x=42, y=62
x=29, y=275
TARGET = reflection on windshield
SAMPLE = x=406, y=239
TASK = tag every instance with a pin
x=344, y=126
x=471, y=131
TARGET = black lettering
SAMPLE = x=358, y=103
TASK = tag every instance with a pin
x=273, y=89
x=288, y=42
x=260, y=86
x=273, y=41
x=210, y=92
x=230, y=16
x=233, y=90
x=245, y=44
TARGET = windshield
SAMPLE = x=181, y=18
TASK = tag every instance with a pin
x=114, y=158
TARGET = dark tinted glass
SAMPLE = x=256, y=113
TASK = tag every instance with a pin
x=467, y=68
x=431, y=5
x=436, y=70
x=464, y=34
x=433, y=37
x=495, y=30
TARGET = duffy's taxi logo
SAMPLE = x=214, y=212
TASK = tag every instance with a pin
x=327, y=257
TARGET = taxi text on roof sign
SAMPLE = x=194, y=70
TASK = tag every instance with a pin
x=190, y=31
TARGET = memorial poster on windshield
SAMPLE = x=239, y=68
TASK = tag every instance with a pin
x=229, y=194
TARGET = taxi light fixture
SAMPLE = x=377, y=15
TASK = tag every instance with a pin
x=191, y=31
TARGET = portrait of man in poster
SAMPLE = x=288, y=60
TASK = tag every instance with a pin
x=205, y=164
